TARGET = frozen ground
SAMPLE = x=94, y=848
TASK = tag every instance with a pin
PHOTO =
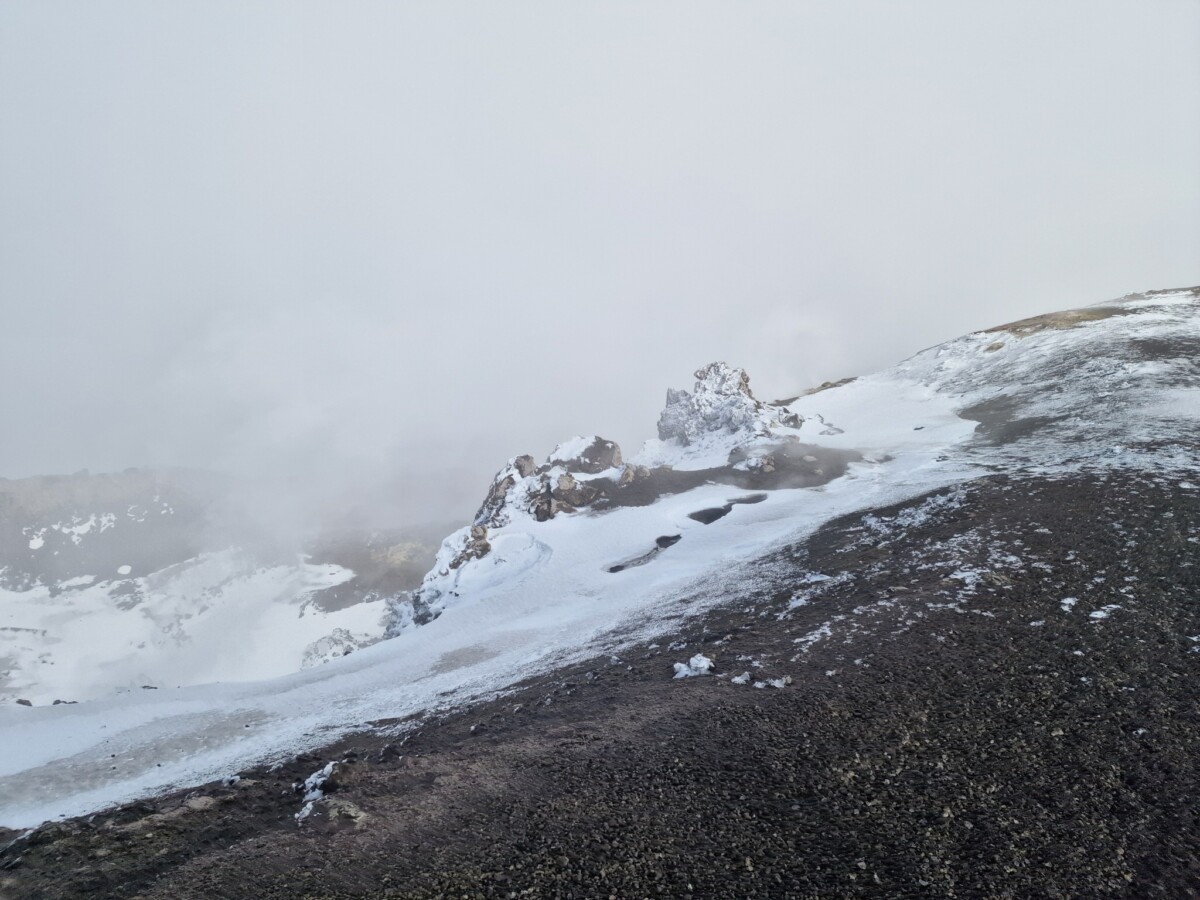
x=1115, y=389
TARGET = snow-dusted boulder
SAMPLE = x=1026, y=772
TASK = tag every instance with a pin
x=589, y=455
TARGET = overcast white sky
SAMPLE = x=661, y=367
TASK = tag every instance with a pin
x=398, y=242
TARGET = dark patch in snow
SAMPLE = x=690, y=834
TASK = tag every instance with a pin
x=660, y=544
x=749, y=498
x=1000, y=421
x=710, y=515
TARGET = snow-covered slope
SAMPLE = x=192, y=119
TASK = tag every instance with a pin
x=587, y=551
x=220, y=616
x=112, y=583
x=1026, y=394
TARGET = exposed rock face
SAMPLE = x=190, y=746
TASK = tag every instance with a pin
x=521, y=488
x=542, y=491
x=475, y=546
x=571, y=494
x=556, y=491
x=721, y=402
x=492, y=510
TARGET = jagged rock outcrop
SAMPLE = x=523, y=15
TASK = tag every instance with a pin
x=557, y=491
x=492, y=510
x=521, y=488
x=541, y=491
x=721, y=402
x=589, y=472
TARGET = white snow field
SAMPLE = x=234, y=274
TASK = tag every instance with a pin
x=104, y=590
x=1081, y=394
x=219, y=616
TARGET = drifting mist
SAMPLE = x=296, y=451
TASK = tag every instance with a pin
x=362, y=254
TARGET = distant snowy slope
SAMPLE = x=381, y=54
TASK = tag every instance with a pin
x=586, y=550
x=136, y=581
x=217, y=617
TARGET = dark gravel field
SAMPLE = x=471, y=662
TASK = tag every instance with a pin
x=988, y=692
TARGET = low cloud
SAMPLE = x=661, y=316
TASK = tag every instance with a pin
x=362, y=256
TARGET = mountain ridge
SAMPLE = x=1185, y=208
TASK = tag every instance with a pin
x=1012, y=551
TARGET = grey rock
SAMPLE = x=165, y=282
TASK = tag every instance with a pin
x=600, y=455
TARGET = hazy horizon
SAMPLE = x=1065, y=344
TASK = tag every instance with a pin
x=365, y=252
